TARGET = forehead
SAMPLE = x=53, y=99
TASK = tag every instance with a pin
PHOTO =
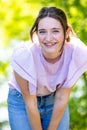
x=49, y=22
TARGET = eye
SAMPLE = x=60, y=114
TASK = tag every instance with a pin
x=41, y=31
x=55, y=31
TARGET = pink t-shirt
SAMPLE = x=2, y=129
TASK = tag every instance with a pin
x=44, y=77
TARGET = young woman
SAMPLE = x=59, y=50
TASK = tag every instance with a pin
x=44, y=72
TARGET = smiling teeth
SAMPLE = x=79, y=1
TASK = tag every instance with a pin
x=49, y=44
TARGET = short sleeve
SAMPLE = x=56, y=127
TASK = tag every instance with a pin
x=78, y=64
x=22, y=62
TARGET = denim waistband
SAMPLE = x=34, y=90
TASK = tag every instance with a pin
x=46, y=100
x=46, y=96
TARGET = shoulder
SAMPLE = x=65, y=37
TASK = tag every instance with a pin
x=25, y=55
x=76, y=46
x=23, y=51
x=77, y=43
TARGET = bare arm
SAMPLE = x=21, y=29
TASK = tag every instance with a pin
x=61, y=99
x=31, y=103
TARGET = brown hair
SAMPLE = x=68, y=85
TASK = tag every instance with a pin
x=52, y=12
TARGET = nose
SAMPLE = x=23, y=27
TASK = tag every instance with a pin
x=48, y=37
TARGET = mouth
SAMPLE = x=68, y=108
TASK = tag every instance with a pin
x=50, y=44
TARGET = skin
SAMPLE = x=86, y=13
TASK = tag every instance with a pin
x=31, y=103
x=51, y=36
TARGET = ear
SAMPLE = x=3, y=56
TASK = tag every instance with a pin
x=68, y=33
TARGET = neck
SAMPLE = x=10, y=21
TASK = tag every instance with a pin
x=52, y=60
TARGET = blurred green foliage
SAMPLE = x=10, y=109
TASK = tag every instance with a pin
x=16, y=19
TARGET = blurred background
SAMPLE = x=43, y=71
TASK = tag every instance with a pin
x=16, y=19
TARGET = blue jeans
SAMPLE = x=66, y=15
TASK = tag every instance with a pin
x=18, y=116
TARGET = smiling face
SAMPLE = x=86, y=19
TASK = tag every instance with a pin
x=51, y=37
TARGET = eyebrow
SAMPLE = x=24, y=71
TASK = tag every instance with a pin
x=41, y=29
x=56, y=28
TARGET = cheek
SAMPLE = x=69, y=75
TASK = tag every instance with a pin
x=40, y=38
x=61, y=37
